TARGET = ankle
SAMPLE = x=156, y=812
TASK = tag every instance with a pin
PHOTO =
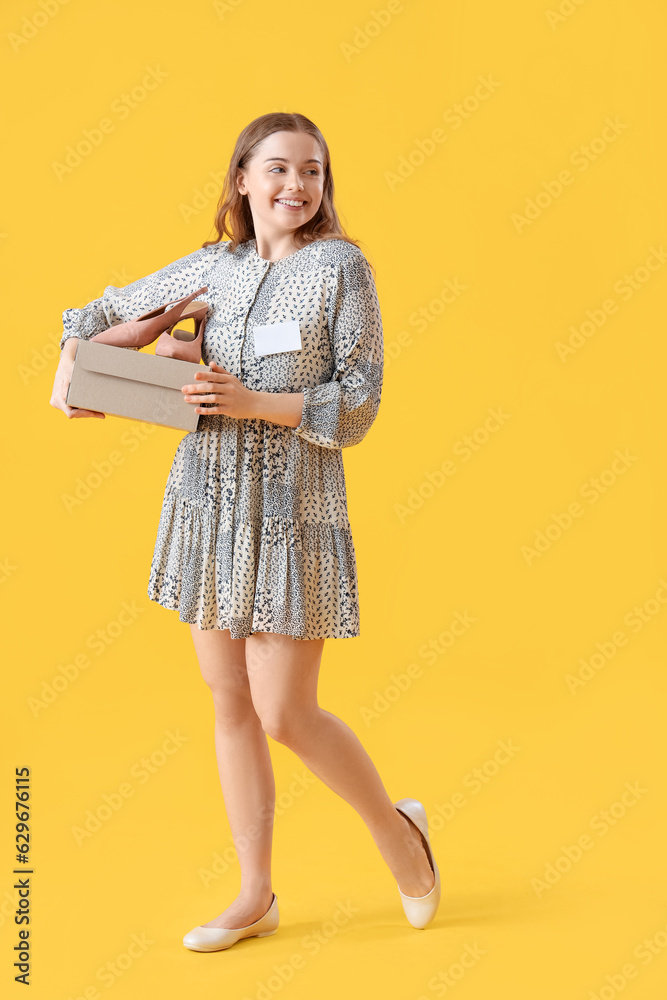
x=256, y=892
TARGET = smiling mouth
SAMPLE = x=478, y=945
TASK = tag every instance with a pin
x=286, y=202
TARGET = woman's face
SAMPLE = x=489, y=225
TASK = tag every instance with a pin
x=285, y=167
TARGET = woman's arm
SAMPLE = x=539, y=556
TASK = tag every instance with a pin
x=279, y=407
x=120, y=304
x=226, y=394
x=62, y=380
x=339, y=413
x=117, y=305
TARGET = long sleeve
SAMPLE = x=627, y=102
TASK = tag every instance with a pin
x=339, y=413
x=117, y=305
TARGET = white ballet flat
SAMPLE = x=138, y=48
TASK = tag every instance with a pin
x=420, y=910
x=217, y=938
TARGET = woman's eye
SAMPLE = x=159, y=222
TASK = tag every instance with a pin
x=313, y=170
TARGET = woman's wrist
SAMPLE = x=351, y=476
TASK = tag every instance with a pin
x=278, y=407
x=69, y=349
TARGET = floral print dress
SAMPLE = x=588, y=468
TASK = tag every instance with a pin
x=254, y=534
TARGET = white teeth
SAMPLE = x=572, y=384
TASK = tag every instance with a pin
x=296, y=204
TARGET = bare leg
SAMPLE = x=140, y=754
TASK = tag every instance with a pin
x=246, y=774
x=283, y=674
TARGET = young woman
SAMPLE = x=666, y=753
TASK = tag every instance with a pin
x=254, y=548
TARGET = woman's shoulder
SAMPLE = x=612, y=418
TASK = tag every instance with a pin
x=338, y=250
x=346, y=261
x=220, y=247
x=338, y=257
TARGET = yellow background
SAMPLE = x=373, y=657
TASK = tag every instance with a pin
x=434, y=198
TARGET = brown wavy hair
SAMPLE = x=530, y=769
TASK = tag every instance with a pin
x=233, y=217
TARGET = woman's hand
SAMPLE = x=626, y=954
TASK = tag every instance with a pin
x=62, y=380
x=223, y=389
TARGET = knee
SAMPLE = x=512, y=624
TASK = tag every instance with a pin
x=232, y=702
x=283, y=724
x=233, y=710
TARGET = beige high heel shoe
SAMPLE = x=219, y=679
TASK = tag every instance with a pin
x=182, y=344
x=138, y=333
x=218, y=938
x=420, y=910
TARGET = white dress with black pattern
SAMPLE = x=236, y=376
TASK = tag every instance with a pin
x=254, y=534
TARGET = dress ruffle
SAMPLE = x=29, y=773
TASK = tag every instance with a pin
x=275, y=575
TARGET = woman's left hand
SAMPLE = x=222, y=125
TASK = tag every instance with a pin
x=224, y=390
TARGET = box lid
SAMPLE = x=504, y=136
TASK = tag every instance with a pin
x=127, y=363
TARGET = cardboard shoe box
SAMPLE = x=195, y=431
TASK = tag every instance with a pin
x=129, y=383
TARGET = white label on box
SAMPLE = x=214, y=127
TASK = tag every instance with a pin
x=276, y=337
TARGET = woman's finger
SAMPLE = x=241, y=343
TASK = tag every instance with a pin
x=207, y=380
x=211, y=397
x=75, y=411
x=199, y=387
x=216, y=370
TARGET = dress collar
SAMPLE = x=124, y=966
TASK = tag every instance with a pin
x=252, y=251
